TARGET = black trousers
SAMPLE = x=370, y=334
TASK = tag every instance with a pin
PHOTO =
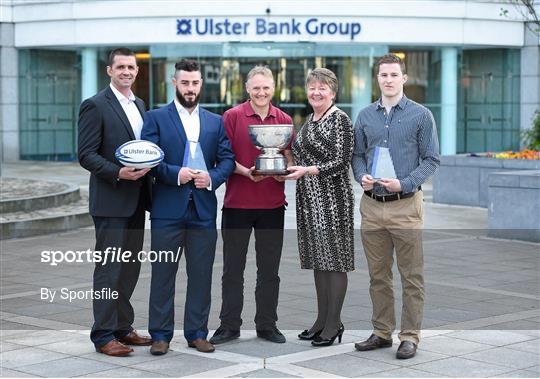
x=113, y=318
x=236, y=229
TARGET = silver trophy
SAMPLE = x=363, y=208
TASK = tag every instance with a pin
x=271, y=139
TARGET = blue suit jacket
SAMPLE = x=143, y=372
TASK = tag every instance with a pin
x=164, y=127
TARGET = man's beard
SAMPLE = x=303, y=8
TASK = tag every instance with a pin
x=185, y=102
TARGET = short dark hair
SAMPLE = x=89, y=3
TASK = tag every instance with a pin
x=389, y=59
x=189, y=65
x=119, y=51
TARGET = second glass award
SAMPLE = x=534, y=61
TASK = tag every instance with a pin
x=383, y=167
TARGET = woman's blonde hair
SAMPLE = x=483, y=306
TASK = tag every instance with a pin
x=325, y=76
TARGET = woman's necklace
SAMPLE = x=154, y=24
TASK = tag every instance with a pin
x=325, y=112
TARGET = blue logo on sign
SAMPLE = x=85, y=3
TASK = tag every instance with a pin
x=183, y=27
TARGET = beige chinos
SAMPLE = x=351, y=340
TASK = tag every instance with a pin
x=387, y=226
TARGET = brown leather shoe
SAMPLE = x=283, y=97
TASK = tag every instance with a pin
x=202, y=345
x=159, y=348
x=406, y=350
x=132, y=338
x=372, y=343
x=114, y=349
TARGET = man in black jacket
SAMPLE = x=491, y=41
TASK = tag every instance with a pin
x=119, y=197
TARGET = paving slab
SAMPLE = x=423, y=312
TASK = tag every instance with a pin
x=124, y=372
x=459, y=367
x=531, y=346
x=404, y=372
x=263, y=349
x=7, y=346
x=451, y=346
x=491, y=337
x=28, y=356
x=520, y=374
x=347, y=365
x=7, y=373
x=264, y=373
x=182, y=365
x=505, y=357
x=76, y=345
x=41, y=337
x=68, y=367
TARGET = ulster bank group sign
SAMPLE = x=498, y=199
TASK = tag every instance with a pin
x=267, y=29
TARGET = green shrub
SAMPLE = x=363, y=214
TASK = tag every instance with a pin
x=531, y=137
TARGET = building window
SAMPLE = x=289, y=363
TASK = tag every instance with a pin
x=49, y=98
x=489, y=101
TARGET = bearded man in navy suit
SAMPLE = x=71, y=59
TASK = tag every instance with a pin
x=184, y=206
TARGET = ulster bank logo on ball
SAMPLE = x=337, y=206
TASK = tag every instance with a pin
x=139, y=154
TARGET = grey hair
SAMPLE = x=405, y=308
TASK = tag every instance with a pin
x=325, y=76
x=260, y=70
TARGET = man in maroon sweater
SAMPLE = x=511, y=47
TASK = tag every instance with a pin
x=252, y=202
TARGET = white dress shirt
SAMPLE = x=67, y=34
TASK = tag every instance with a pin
x=131, y=111
x=191, y=122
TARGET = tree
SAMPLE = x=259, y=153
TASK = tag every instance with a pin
x=527, y=8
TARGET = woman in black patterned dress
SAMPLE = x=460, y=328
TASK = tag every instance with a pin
x=325, y=203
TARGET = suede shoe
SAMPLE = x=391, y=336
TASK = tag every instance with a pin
x=114, y=349
x=202, y=345
x=272, y=335
x=133, y=338
x=406, y=350
x=372, y=343
x=222, y=335
x=159, y=348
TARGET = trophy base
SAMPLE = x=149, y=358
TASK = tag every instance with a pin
x=271, y=165
x=269, y=172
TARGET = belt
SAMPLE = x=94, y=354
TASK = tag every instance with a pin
x=392, y=197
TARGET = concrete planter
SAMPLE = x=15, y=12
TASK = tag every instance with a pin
x=514, y=205
x=463, y=180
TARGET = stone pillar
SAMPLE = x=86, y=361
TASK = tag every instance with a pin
x=449, y=82
x=9, y=95
x=89, y=72
x=530, y=78
x=169, y=74
x=360, y=85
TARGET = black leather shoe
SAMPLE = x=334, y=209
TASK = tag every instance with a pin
x=272, y=335
x=406, y=350
x=306, y=335
x=372, y=343
x=222, y=335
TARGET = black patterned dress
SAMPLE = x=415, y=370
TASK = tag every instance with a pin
x=325, y=202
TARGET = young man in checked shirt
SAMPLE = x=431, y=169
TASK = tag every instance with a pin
x=392, y=208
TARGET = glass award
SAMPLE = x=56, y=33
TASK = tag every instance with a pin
x=383, y=167
x=193, y=157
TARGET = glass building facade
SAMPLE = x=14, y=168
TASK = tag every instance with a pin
x=488, y=86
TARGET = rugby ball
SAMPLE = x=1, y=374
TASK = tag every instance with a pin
x=139, y=154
